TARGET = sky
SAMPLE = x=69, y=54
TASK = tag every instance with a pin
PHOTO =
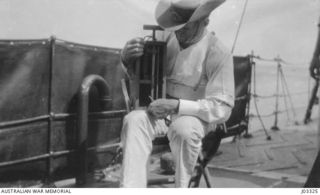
x=270, y=28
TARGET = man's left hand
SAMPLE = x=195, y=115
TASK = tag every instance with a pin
x=161, y=108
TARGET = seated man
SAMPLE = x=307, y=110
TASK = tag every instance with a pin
x=200, y=84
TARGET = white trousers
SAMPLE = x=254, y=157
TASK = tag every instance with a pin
x=185, y=134
x=318, y=135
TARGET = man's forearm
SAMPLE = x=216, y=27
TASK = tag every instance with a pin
x=210, y=110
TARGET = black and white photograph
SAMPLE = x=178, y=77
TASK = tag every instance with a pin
x=154, y=94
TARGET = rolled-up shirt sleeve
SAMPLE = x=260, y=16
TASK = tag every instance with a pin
x=218, y=102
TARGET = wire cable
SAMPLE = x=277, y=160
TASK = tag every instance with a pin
x=240, y=24
x=255, y=102
x=278, y=59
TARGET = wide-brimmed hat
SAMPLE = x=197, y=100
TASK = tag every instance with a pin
x=174, y=14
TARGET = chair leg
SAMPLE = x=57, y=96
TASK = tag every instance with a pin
x=195, y=180
x=206, y=177
x=200, y=169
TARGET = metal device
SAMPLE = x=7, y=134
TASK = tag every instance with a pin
x=150, y=81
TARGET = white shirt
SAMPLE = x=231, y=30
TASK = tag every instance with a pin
x=201, y=77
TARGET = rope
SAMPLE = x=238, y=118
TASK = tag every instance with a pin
x=278, y=59
x=291, y=63
x=255, y=102
x=285, y=99
x=263, y=59
x=240, y=24
x=273, y=113
x=280, y=95
x=285, y=85
x=285, y=90
x=289, y=106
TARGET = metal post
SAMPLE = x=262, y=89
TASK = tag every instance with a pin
x=252, y=64
x=49, y=162
x=275, y=126
x=103, y=88
x=153, y=70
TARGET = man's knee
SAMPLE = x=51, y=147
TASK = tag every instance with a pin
x=187, y=128
x=135, y=127
x=135, y=117
x=133, y=123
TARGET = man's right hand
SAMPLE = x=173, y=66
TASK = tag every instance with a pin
x=132, y=50
x=315, y=68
